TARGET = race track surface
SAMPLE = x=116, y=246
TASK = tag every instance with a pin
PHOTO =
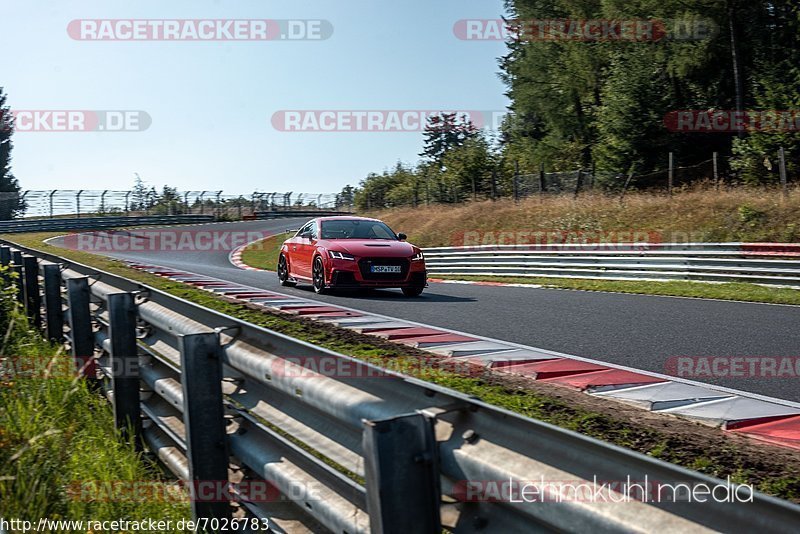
x=637, y=331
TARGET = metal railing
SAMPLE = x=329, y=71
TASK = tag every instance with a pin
x=383, y=452
x=720, y=262
x=89, y=202
x=49, y=225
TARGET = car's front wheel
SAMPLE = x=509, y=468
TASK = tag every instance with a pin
x=283, y=272
x=318, y=276
x=413, y=291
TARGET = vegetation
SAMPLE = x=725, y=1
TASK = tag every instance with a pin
x=10, y=202
x=58, y=441
x=605, y=104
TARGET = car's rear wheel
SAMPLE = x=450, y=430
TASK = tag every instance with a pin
x=283, y=272
x=413, y=291
x=318, y=276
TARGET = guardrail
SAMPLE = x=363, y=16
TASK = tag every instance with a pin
x=356, y=451
x=282, y=213
x=90, y=223
x=719, y=262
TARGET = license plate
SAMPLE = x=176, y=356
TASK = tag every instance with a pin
x=385, y=268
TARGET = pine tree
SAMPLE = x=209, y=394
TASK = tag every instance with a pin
x=11, y=203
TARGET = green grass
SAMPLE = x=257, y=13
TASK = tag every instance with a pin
x=722, y=291
x=57, y=436
x=264, y=254
x=720, y=458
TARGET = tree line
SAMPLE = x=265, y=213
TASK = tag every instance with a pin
x=604, y=104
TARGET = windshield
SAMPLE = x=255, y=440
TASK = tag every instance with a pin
x=356, y=229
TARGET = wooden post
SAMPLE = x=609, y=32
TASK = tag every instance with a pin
x=716, y=171
x=782, y=164
x=542, y=185
x=516, y=181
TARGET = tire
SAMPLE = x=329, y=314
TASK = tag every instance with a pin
x=413, y=291
x=283, y=272
x=318, y=276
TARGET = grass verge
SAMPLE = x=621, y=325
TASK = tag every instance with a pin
x=59, y=449
x=264, y=254
x=722, y=291
x=770, y=469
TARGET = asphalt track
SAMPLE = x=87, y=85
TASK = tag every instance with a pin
x=637, y=331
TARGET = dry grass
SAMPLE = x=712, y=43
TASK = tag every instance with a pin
x=698, y=214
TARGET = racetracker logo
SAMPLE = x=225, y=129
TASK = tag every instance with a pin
x=734, y=366
x=199, y=30
x=196, y=490
x=380, y=120
x=50, y=120
x=584, y=30
x=341, y=368
x=727, y=121
x=554, y=238
x=162, y=241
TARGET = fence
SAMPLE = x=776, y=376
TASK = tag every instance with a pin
x=721, y=262
x=382, y=452
x=491, y=185
x=85, y=202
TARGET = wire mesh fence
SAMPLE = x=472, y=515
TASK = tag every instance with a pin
x=86, y=202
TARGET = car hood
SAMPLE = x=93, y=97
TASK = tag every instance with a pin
x=371, y=247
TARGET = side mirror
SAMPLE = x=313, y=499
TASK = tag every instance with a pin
x=402, y=237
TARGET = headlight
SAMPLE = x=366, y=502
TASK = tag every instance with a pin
x=341, y=255
x=418, y=257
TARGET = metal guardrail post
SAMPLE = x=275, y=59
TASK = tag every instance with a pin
x=125, y=366
x=16, y=260
x=80, y=325
x=402, y=474
x=203, y=417
x=5, y=261
x=33, y=296
x=53, y=306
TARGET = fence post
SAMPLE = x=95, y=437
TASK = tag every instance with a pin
x=53, y=307
x=782, y=168
x=53, y=192
x=125, y=366
x=16, y=260
x=716, y=169
x=203, y=417
x=516, y=181
x=542, y=184
x=80, y=326
x=670, y=177
x=402, y=474
x=33, y=298
x=78, y=203
x=5, y=261
x=578, y=182
x=494, y=184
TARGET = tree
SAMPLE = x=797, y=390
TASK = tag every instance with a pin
x=139, y=195
x=11, y=203
x=443, y=133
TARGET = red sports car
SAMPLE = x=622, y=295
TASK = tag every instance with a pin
x=351, y=252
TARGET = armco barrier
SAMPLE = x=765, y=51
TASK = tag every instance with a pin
x=762, y=263
x=198, y=386
x=91, y=223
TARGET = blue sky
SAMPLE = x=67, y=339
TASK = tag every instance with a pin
x=211, y=102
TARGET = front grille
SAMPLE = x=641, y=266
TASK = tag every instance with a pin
x=365, y=263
